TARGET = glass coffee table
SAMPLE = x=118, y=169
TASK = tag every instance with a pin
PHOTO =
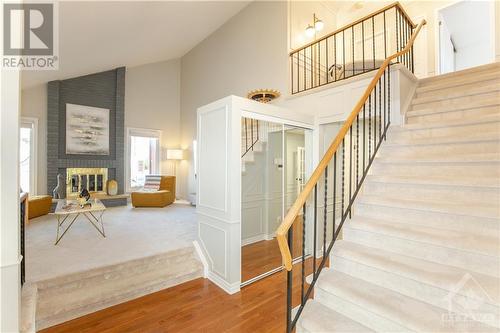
x=71, y=210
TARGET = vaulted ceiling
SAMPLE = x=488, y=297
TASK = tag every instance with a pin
x=97, y=35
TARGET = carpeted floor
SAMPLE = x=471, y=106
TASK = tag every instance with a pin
x=130, y=233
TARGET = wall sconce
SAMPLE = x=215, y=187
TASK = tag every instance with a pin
x=316, y=26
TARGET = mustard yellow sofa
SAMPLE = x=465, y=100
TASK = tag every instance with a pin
x=160, y=198
x=39, y=205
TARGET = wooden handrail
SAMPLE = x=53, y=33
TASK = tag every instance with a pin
x=381, y=10
x=282, y=230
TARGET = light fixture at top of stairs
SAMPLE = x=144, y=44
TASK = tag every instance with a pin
x=263, y=95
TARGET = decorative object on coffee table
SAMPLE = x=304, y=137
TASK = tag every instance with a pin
x=58, y=192
x=112, y=187
x=263, y=95
x=84, y=198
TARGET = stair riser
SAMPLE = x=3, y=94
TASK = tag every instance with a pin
x=64, y=316
x=121, y=276
x=436, y=150
x=463, y=194
x=446, y=170
x=119, y=270
x=435, y=82
x=490, y=130
x=356, y=312
x=408, y=286
x=459, y=92
x=457, y=101
x=453, y=115
x=84, y=296
x=475, y=86
x=481, y=263
x=444, y=221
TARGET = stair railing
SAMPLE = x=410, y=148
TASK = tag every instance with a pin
x=250, y=135
x=349, y=156
x=352, y=50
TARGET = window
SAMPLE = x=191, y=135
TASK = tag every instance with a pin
x=27, y=156
x=144, y=156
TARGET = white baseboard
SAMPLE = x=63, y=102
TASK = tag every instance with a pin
x=253, y=239
x=230, y=288
x=203, y=258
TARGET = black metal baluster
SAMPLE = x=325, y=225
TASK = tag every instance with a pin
x=352, y=33
x=251, y=132
x=334, y=57
x=289, y=286
x=311, y=73
x=246, y=136
x=363, y=42
x=397, y=32
x=357, y=151
x=379, y=108
x=389, y=94
x=343, y=167
x=369, y=128
x=385, y=102
x=364, y=136
x=350, y=168
x=373, y=41
x=305, y=70
x=343, y=53
x=302, y=299
x=315, y=228
x=374, y=117
x=325, y=211
x=327, y=68
x=318, y=65
x=385, y=39
x=334, y=192
x=291, y=72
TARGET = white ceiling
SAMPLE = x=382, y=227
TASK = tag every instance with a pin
x=96, y=35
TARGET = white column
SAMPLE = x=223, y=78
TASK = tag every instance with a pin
x=10, y=288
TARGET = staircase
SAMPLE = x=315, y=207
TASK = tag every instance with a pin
x=422, y=250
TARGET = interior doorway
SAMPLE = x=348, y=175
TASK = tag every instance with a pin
x=465, y=35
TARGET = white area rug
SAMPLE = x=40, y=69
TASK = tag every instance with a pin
x=131, y=233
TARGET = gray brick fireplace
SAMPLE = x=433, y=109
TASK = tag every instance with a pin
x=102, y=90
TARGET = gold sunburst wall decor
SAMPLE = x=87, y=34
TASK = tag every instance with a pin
x=263, y=95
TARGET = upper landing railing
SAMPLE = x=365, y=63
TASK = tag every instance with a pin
x=357, y=48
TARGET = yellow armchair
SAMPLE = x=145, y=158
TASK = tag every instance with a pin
x=161, y=198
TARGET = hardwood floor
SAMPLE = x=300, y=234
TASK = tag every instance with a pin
x=197, y=306
x=261, y=257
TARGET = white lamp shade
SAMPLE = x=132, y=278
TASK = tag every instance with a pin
x=319, y=25
x=175, y=154
x=310, y=31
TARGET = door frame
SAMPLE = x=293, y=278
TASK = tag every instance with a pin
x=437, y=44
x=33, y=153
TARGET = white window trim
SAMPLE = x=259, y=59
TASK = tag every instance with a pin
x=139, y=132
x=33, y=154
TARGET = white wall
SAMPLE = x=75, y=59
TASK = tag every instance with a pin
x=248, y=52
x=152, y=101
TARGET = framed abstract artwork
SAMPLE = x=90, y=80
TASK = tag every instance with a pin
x=87, y=130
